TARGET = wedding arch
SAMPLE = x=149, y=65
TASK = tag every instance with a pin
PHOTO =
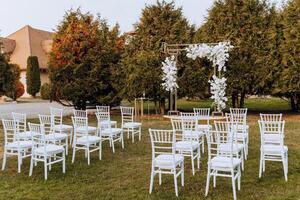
x=217, y=53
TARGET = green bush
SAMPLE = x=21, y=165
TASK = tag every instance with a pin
x=33, y=78
x=46, y=91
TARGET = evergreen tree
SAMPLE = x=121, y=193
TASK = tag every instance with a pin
x=33, y=77
x=290, y=76
x=143, y=56
x=6, y=75
x=85, y=56
x=244, y=23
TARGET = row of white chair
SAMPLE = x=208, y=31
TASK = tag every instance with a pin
x=44, y=141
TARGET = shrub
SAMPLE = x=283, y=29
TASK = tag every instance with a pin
x=33, y=78
x=46, y=91
x=17, y=92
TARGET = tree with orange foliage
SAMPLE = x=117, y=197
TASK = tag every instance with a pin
x=84, y=61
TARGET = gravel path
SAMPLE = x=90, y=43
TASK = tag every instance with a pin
x=32, y=109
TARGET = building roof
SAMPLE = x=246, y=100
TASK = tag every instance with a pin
x=29, y=42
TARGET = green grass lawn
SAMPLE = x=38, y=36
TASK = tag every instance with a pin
x=125, y=174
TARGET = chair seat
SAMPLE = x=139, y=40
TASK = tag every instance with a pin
x=107, y=122
x=236, y=148
x=111, y=131
x=272, y=138
x=132, y=125
x=23, y=145
x=166, y=160
x=50, y=149
x=82, y=129
x=186, y=145
x=27, y=134
x=204, y=127
x=224, y=162
x=240, y=126
x=88, y=140
x=192, y=134
x=62, y=127
x=56, y=136
x=274, y=149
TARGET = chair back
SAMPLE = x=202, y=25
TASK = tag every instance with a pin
x=188, y=115
x=272, y=127
x=203, y=113
x=127, y=114
x=105, y=109
x=56, y=115
x=271, y=117
x=80, y=113
x=82, y=124
x=189, y=127
x=177, y=128
x=162, y=142
x=103, y=120
x=47, y=122
x=20, y=120
x=39, y=137
x=221, y=135
x=239, y=111
x=10, y=130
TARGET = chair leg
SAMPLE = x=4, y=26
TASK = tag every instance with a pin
x=112, y=144
x=140, y=133
x=4, y=160
x=260, y=165
x=203, y=149
x=71, y=137
x=45, y=168
x=64, y=162
x=19, y=162
x=122, y=140
x=242, y=159
x=182, y=174
x=284, y=167
x=151, y=181
x=67, y=147
x=31, y=165
x=207, y=181
x=192, y=160
x=215, y=180
x=132, y=135
x=264, y=163
x=74, y=151
x=88, y=155
x=100, y=150
x=239, y=177
x=233, y=184
x=175, y=183
x=159, y=178
x=198, y=158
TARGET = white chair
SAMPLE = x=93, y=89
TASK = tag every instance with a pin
x=83, y=114
x=57, y=123
x=204, y=115
x=271, y=137
x=44, y=152
x=128, y=125
x=52, y=136
x=238, y=122
x=106, y=132
x=188, y=143
x=20, y=120
x=222, y=163
x=164, y=158
x=83, y=140
x=105, y=112
x=271, y=117
x=13, y=146
x=239, y=111
x=275, y=150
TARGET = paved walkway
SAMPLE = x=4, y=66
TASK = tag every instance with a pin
x=32, y=109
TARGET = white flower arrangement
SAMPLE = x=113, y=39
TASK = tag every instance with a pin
x=217, y=88
x=169, y=74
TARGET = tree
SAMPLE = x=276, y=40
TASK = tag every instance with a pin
x=83, y=62
x=16, y=90
x=245, y=24
x=6, y=75
x=142, y=60
x=289, y=83
x=33, y=78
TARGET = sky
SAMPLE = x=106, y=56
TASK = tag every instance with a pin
x=46, y=14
